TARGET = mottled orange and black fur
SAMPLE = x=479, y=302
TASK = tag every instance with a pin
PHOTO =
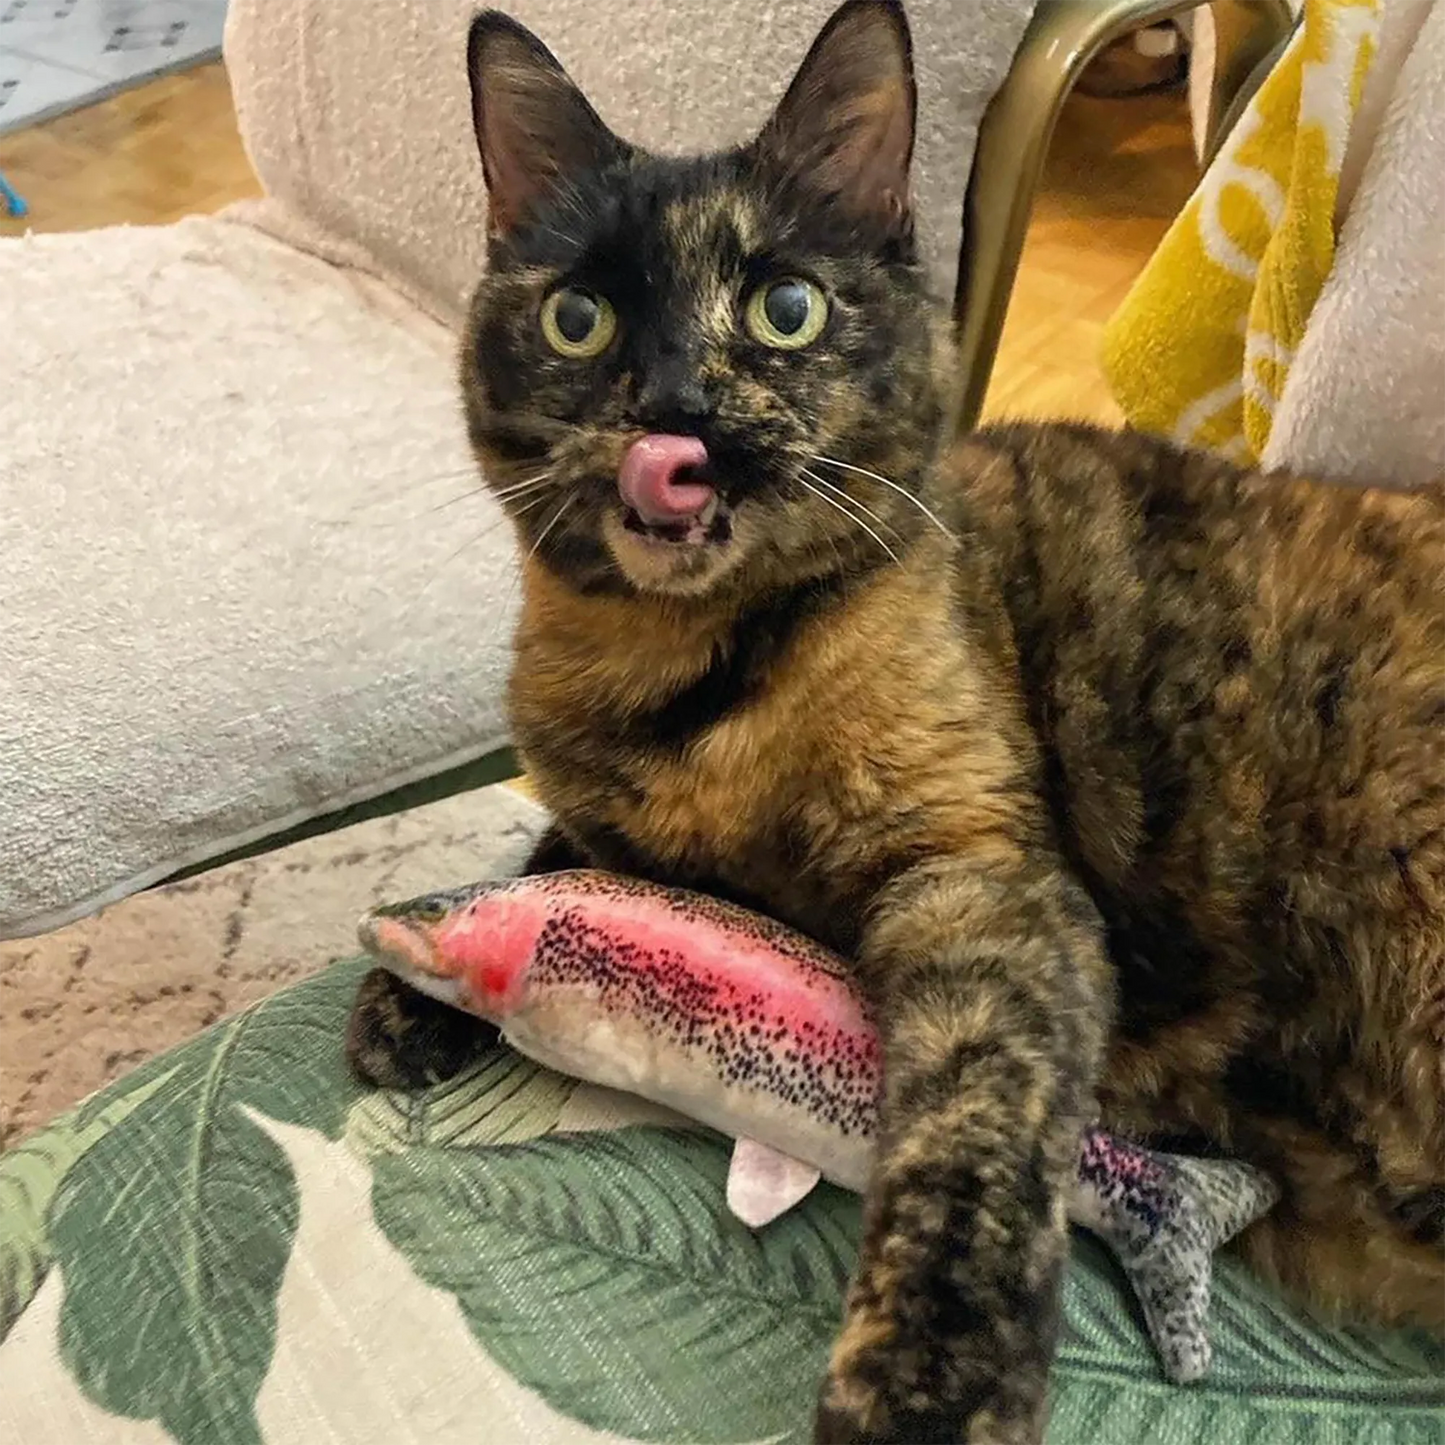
x=1118, y=770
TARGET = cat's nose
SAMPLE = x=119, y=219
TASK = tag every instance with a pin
x=673, y=398
x=652, y=480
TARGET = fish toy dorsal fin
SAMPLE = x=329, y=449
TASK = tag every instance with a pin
x=763, y=1184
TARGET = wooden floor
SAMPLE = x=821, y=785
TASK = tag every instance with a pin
x=147, y=156
x=1120, y=169
x=1118, y=173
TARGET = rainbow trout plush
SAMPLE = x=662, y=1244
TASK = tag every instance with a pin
x=750, y=1028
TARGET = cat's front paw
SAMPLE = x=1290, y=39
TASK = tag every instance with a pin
x=398, y=1038
x=940, y=1355
x=841, y=1421
x=851, y=1412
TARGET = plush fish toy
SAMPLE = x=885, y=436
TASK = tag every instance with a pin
x=736, y=1021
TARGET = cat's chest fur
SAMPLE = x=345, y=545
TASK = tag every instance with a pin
x=724, y=814
x=793, y=767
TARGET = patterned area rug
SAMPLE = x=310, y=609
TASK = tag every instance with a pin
x=82, y=1006
x=58, y=55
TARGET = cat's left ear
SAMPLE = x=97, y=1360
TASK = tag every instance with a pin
x=533, y=126
x=845, y=127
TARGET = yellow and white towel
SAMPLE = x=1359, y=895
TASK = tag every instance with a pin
x=1202, y=345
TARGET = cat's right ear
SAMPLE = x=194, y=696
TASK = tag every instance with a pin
x=533, y=125
x=845, y=127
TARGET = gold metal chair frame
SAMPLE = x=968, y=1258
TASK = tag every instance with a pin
x=1013, y=139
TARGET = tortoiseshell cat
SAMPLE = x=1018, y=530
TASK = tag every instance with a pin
x=1118, y=770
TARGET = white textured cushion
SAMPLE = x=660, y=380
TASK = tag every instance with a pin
x=357, y=119
x=226, y=604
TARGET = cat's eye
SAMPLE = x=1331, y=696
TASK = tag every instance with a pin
x=578, y=324
x=786, y=314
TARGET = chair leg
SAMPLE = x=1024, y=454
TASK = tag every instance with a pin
x=1249, y=38
x=1013, y=140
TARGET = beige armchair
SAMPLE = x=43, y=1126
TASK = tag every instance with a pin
x=294, y=357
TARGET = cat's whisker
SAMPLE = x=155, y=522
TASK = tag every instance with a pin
x=527, y=506
x=557, y=517
x=517, y=489
x=902, y=491
x=394, y=484
x=450, y=502
x=416, y=484
x=845, y=496
x=456, y=474
x=379, y=496
x=502, y=619
x=468, y=545
x=857, y=521
x=525, y=482
x=506, y=495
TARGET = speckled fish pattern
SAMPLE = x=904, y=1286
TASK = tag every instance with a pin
x=753, y=1029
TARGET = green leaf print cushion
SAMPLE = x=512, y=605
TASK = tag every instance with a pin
x=237, y=1244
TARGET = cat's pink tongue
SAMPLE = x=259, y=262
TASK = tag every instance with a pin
x=648, y=479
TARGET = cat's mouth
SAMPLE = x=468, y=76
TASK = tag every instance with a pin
x=711, y=526
x=668, y=493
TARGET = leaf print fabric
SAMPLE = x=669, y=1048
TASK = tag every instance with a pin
x=239, y=1246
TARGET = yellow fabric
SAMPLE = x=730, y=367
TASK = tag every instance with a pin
x=1203, y=342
